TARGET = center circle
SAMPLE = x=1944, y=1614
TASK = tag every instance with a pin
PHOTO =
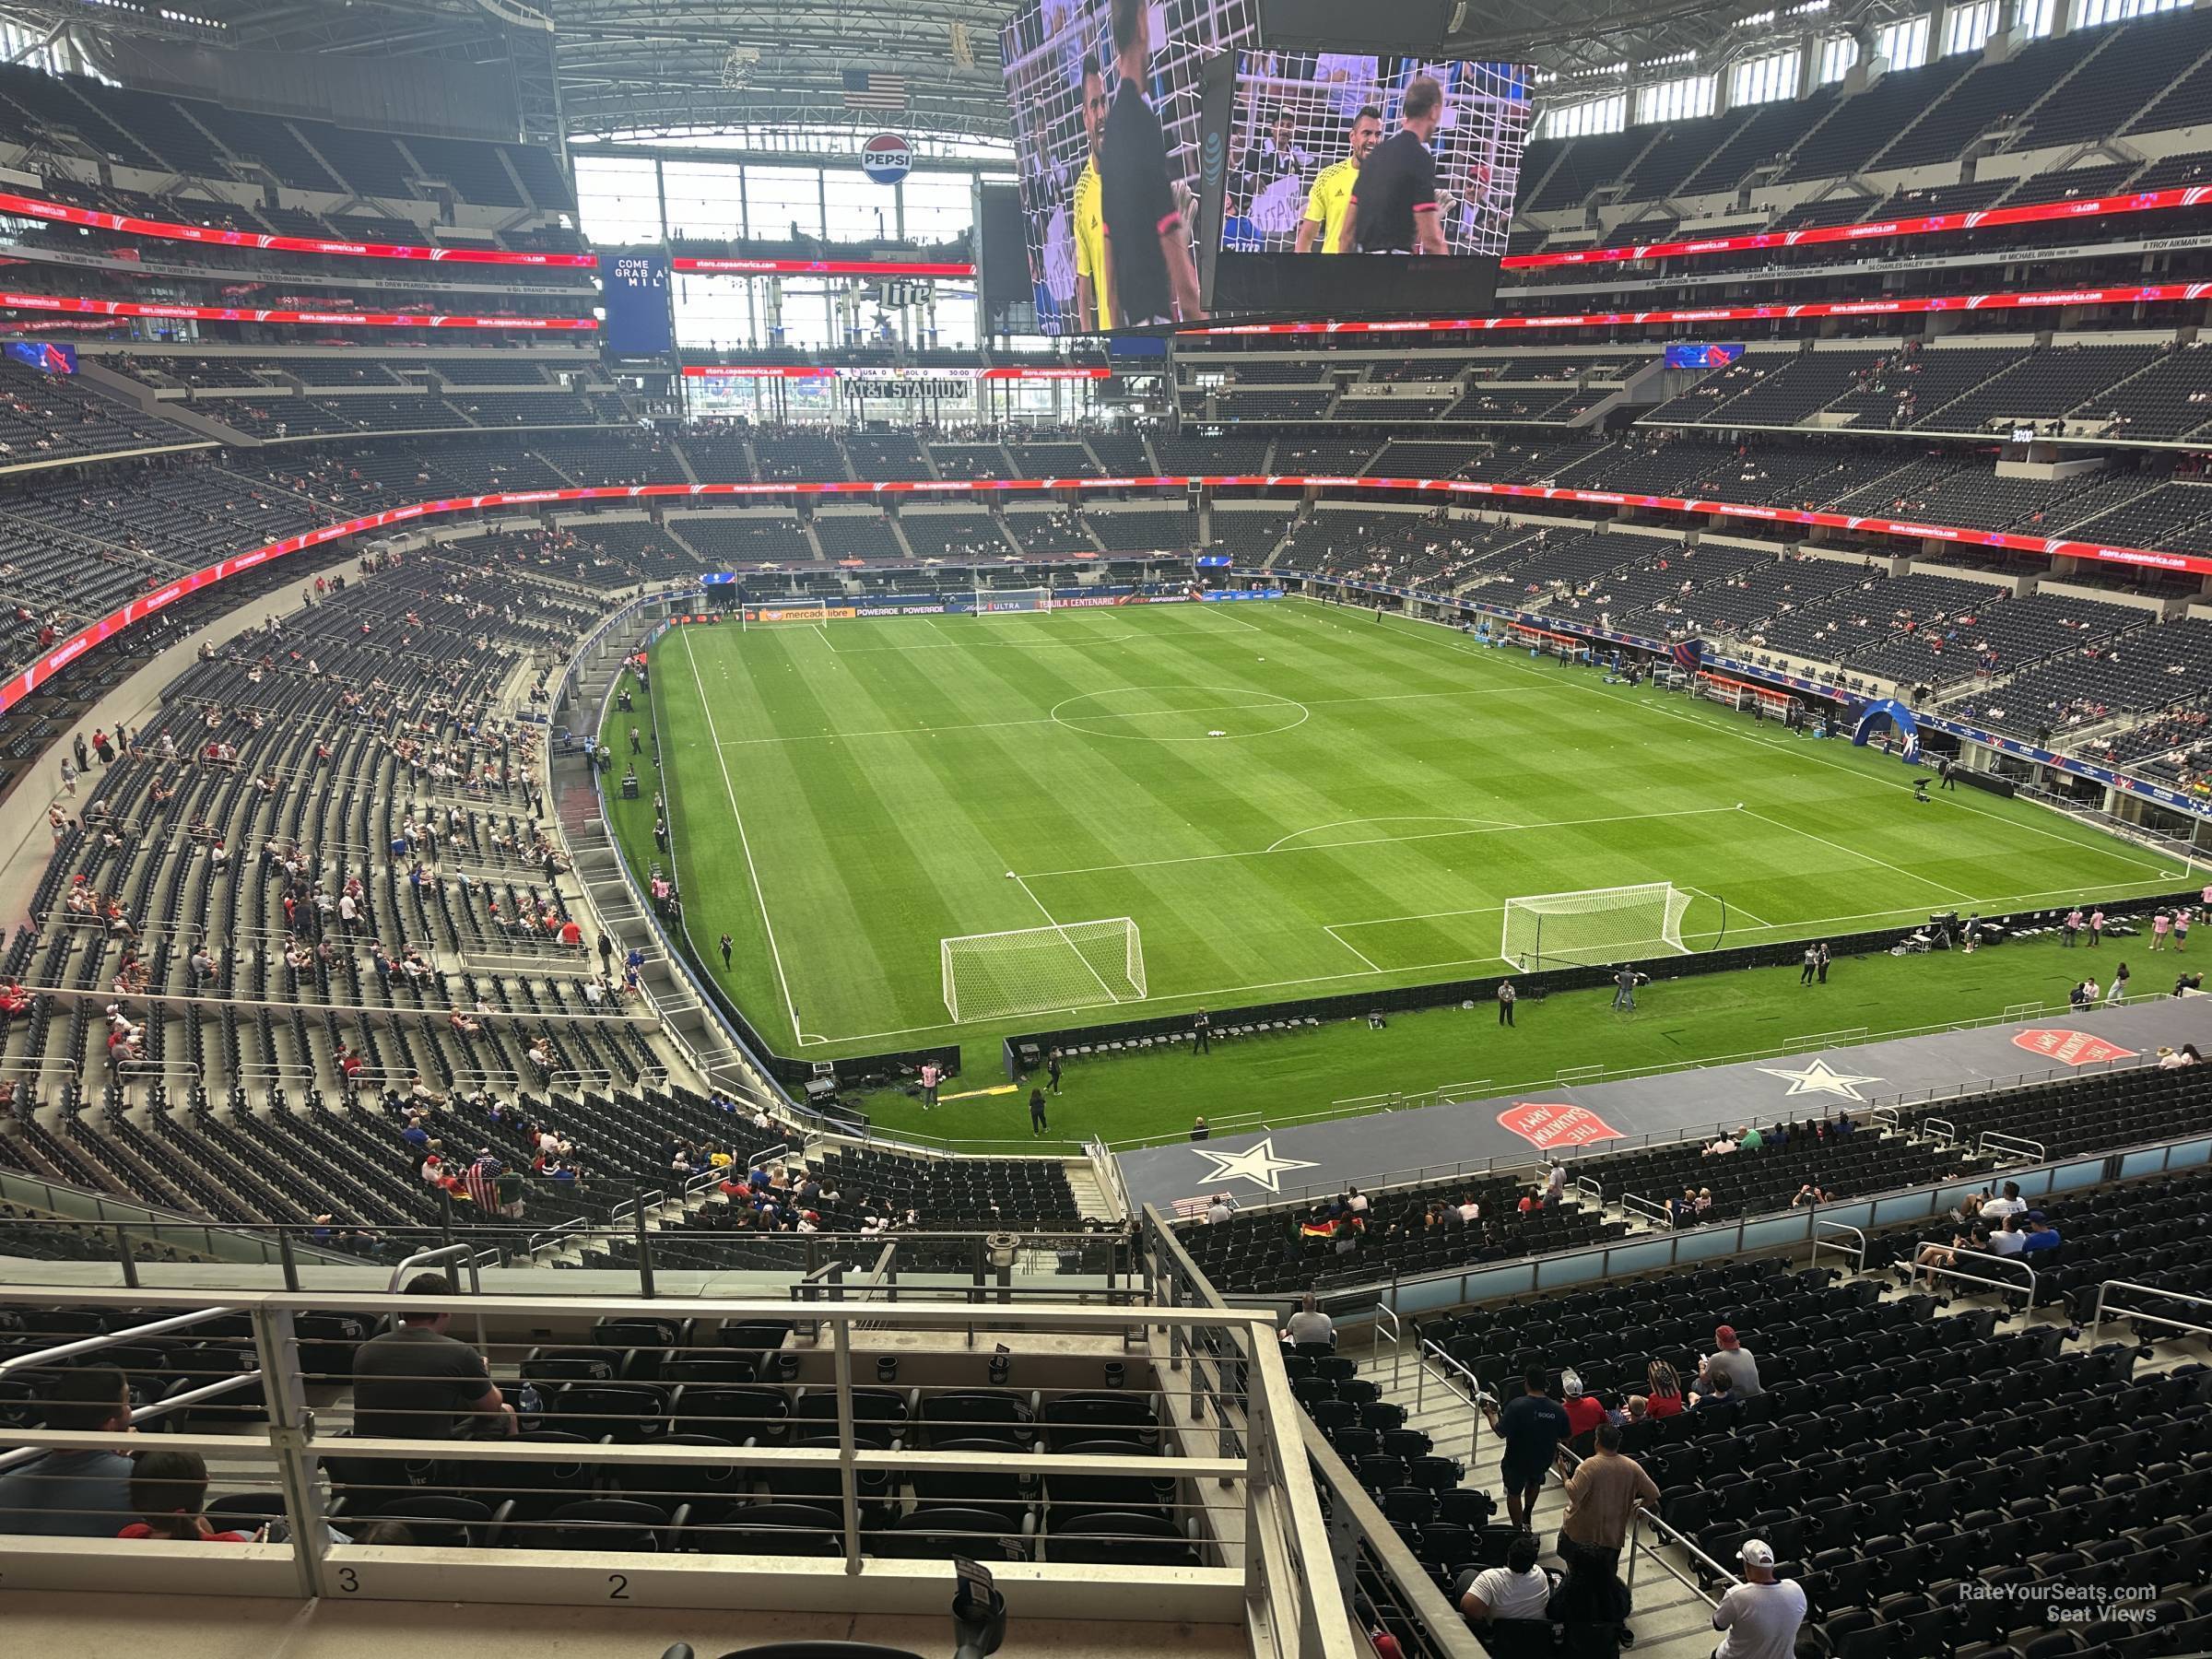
x=1180, y=714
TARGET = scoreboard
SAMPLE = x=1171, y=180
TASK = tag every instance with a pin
x=640, y=322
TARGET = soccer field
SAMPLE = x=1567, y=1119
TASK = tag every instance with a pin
x=1286, y=799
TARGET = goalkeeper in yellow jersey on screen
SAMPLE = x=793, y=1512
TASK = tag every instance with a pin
x=1094, y=279
x=1331, y=194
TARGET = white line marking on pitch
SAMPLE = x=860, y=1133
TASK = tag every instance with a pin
x=1053, y=923
x=1418, y=817
x=1701, y=893
x=1870, y=858
x=744, y=840
x=1340, y=939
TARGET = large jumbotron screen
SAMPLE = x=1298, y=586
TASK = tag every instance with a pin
x=1310, y=129
x=1064, y=78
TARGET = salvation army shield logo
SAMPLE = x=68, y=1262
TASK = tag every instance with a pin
x=2072, y=1048
x=1546, y=1125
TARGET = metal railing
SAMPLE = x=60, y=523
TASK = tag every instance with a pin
x=1385, y=1327
x=1953, y=1271
x=1471, y=1396
x=2103, y=1310
x=1267, y=1567
x=1857, y=1253
x=1772, y=1230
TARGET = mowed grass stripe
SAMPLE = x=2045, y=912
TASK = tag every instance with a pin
x=887, y=842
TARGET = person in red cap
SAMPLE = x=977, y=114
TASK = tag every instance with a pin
x=1733, y=1360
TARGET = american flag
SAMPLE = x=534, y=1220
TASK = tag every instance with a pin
x=867, y=90
x=481, y=1182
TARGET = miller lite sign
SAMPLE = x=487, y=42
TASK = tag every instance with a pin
x=886, y=158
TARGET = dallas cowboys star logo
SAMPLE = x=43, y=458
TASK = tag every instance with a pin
x=1257, y=1164
x=1821, y=1079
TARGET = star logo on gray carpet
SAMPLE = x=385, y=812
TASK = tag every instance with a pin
x=1818, y=1078
x=1257, y=1164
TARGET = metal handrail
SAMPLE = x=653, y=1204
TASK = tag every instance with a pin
x=2097, y=1321
x=93, y=1344
x=1820, y=1222
x=2031, y=1149
x=1382, y=1312
x=1473, y=1397
x=1944, y=1130
x=1651, y=1209
x=1683, y=1542
x=1974, y=1279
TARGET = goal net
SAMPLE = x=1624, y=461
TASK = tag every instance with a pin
x=1001, y=602
x=1068, y=965
x=1597, y=925
x=775, y=613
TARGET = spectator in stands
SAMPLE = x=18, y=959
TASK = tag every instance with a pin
x=1603, y=1496
x=2009, y=1240
x=169, y=1494
x=1583, y=1410
x=1520, y=1588
x=1591, y=1605
x=1309, y=1324
x=1532, y=1426
x=75, y=1494
x=1761, y=1616
x=1731, y=1360
x=2041, y=1236
x=1995, y=1207
x=1665, y=1399
x=417, y=1383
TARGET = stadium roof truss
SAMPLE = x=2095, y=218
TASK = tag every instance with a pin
x=635, y=66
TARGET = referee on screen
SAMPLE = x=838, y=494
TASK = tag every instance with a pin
x=1394, y=205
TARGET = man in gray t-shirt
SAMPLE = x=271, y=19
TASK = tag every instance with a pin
x=75, y=1494
x=1733, y=1360
x=415, y=1382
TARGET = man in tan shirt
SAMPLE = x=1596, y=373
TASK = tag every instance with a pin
x=1602, y=1499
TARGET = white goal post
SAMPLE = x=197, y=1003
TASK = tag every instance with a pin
x=1030, y=970
x=1593, y=925
x=1003, y=602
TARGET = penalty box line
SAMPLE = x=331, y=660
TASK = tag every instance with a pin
x=1214, y=995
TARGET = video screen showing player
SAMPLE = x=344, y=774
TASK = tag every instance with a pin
x=1337, y=152
x=1105, y=100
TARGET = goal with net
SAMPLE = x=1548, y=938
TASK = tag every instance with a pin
x=1004, y=602
x=800, y=610
x=1596, y=924
x=1067, y=965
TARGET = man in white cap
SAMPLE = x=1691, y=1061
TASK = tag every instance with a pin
x=1760, y=1616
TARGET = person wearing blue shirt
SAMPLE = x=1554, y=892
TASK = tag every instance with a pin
x=1532, y=1427
x=2041, y=1235
x=76, y=1494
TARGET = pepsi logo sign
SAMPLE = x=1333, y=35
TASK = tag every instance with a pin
x=886, y=158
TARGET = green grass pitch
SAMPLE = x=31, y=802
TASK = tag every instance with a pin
x=1288, y=799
